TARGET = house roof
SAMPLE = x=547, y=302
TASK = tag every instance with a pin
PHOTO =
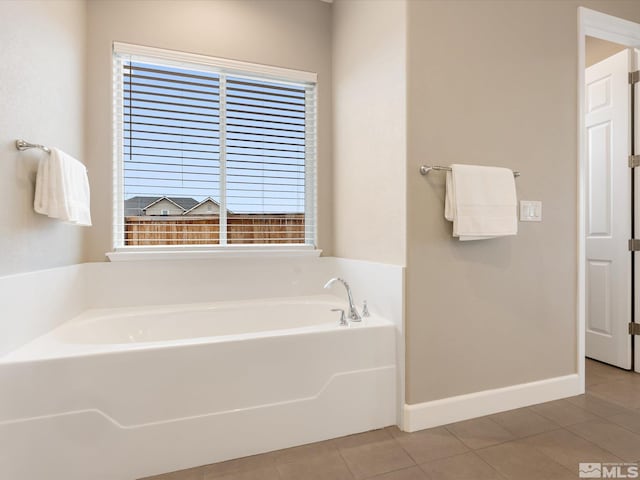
x=208, y=199
x=161, y=199
x=135, y=206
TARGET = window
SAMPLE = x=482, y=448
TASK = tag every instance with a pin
x=211, y=152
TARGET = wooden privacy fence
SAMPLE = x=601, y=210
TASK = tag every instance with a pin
x=205, y=230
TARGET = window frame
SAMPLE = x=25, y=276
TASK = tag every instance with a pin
x=220, y=66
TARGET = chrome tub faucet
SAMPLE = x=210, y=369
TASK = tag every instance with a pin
x=353, y=311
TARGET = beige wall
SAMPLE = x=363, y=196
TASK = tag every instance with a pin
x=597, y=50
x=493, y=82
x=292, y=34
x=369, y=130
x=41, y=92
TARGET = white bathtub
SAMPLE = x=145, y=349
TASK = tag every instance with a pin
x=117, y=329
x=187, y=385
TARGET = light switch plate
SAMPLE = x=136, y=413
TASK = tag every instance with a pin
x=530, y=211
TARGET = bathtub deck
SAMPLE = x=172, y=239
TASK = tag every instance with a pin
x=542, y=441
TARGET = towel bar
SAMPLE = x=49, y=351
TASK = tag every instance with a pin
x=23, y=145
x=424, y=169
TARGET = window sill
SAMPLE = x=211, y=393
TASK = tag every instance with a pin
x=127, y=254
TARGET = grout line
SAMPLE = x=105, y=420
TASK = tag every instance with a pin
x=396, y=443
x=479, y=418
x=598, y=445
x=406, y=451
x=612, y=402
x=597, y=414
x=395, y=471
x=602, y=417
x=491, y=466
x=439, y=458
x=353, y=475
x=624, y=426
x=577, y=407
x=582, y=438
x=516, y=439
x=534, y=448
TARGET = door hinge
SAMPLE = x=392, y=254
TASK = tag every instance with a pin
x=634, y=161
x=634, y=328
x=634, y=245
x=634, y=77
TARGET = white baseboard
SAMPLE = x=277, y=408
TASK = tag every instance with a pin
x=463, y=407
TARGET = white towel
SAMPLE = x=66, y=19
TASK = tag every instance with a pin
x=62, y=189
x=481, y=202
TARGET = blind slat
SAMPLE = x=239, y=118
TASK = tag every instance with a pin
x=129, y=123
x=134, y=136
x=130, y=77
x=154, y=94
x=133, y=156
x=157, y=132
x=148, y=88
x=159, y=148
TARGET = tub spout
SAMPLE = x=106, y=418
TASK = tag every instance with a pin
x=353, y=311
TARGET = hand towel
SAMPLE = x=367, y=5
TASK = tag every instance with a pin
x=481, y=202
x=62, y=189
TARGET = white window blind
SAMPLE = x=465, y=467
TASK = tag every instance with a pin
x=211, y=155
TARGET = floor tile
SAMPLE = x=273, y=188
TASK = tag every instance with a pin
x=394, y=431
x=304, y=452
x=363, y=438
x=480, y=432
x=376, y=458
x=239, y=465
x=607, y=372
x=330, y=466
x=517, y=461
x=568, y=449
x=268, y=473
x=431, y=444
x=596, y=405
x=468, y=466
x=411, y=473
x=609, y=436
x=189, y=474
x=591, y=379
x=523, y=422
x=622, y=392
x=562, y=412
x=629, y=420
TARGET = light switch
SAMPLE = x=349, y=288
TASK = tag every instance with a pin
x=530, y=211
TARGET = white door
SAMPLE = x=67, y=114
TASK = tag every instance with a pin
x=608, y=222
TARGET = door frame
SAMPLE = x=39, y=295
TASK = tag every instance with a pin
x=606, y=27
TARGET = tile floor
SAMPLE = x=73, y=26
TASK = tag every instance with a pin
x=542, y=442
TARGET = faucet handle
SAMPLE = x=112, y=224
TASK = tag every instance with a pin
x=343, y=317
x=365, y=310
